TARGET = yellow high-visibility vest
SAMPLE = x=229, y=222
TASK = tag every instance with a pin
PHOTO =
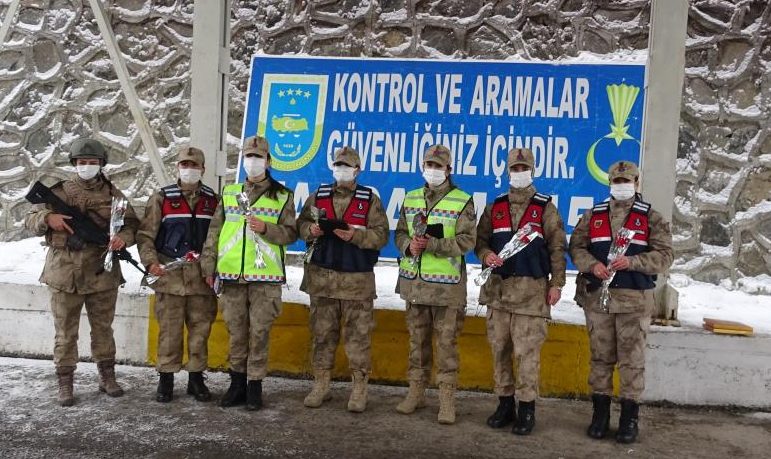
x=431, y=267
x=236, y=249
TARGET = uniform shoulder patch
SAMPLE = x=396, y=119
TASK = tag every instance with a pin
x=542, y=199
x=363, y=192
x=601, y=207
x=503, y=197
x=171, y=191
x=642, y=207
x=205, y=190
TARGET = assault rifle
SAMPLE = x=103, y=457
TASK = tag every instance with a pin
x=86, y=230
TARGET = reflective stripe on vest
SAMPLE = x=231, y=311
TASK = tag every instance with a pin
x=430, y=267
x=236, y=250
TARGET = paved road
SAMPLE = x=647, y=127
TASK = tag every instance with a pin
x=32, y=425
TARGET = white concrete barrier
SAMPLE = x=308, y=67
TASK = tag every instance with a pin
x=683, y=366
x=27, y=328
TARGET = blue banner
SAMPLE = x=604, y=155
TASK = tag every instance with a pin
x=577, y=118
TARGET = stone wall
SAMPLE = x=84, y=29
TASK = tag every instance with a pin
x=56, y=83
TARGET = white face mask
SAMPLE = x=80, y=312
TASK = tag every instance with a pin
x=434, y=177
x=87, y=171
x=189, y=175
x=622, y=191
x=254, y=167
x=344, y=174
x=520, y=179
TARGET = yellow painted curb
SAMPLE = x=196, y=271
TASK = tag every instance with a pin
x=564, y=356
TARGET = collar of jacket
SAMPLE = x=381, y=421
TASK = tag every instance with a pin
x=93, y=183
x=521, y=195
x=625, y=205
x=432, y=194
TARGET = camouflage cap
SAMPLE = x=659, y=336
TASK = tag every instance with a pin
x=348, y=156
x=190, y=154
x=438, y=154
x=623, y=169
x=521, y=156
x=87, y=149
x=256, y=144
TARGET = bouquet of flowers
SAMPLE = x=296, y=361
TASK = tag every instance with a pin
x=117, y=215
x=617, y=248
x=419, y=227
x=516, y=244
x=246, y=210
x=189, y=257
x=317, y=214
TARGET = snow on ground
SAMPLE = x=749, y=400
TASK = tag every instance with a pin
x=22, y=261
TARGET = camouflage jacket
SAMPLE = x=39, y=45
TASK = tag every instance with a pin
x=519, y=294
x=185, y=281
x=282, y=233
x=429, y=293
x=657, y=260
x=81, y=271
x=327, y=283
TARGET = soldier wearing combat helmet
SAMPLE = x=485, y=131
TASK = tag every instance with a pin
x=74, y=269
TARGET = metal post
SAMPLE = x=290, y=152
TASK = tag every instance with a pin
x=145, y=132
x=210, y=69
x=10, y=15
x=666, y=70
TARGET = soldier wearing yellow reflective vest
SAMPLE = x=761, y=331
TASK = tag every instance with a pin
x=251, y=296
x=434, y=287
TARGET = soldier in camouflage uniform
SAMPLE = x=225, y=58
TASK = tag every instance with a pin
x=251, y=295
x=617, y=336
x=432, y=279
x=176, y=222
x=521, y=290
x=74, y=270
x=339, y=277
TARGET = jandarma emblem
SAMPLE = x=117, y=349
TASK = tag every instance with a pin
x=292, y=118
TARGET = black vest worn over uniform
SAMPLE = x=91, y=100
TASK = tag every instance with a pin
x=184, y=229
x=534, y=260
x=334, y=253
x=601, y=237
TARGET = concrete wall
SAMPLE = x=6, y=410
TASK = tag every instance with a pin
x=57, y=83
x=688, y=367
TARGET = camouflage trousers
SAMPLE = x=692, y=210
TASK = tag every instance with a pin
x=100, y=310
x=358, y=322
x=423, y=322
x=249, y=314
x=617, y=339
x=520, y=337
x=175, y=313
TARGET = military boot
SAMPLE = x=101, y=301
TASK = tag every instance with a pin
x=504, y=414
x=358, y=401
x=165, y=391
x=65, y=376
x=627, y=423
x=196, y=386
x=254, y=395
x=107, y=383
x=525, y=418
x=236, y=393
x=416, y=398
x=600, y=416
x=446, y=404
x=320, y=392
